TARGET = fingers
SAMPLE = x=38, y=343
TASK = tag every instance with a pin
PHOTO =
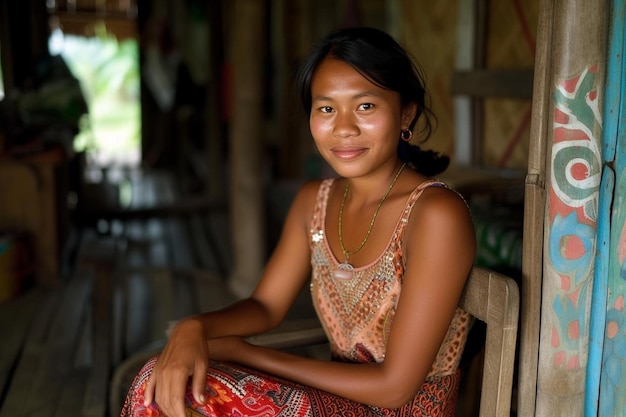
x=198, y=381
x=185, y=356
x=148, y=395
x=177, y=406
x=165, y=388
x=170, y=398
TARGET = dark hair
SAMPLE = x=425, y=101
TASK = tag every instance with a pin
x=380, y=59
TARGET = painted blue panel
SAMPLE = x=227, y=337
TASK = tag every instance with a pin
x=612, y=401
x=605, y=364
x=614, y=84
x=597, y=318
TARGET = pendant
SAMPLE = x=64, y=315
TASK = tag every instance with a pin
x=344, y=271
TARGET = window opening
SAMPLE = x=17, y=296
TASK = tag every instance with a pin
x=108, y=72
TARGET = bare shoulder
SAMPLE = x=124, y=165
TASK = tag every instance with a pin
x=307, y=193
x=309, y=190
x=440, y=200
x=303, y=204
x=441, y=212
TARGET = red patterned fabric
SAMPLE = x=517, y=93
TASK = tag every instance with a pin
x=237, y=391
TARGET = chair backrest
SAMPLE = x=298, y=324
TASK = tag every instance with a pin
x=493, y=298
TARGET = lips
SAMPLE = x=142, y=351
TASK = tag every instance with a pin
x=348, y=153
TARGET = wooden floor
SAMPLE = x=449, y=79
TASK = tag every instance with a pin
x=128, y=280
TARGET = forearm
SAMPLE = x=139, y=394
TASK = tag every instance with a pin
x=370, y=383
x=243, y=318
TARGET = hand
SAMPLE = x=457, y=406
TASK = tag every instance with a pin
x=186, y=354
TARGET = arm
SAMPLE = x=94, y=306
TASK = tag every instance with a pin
x=439, y=230
x=186, y=353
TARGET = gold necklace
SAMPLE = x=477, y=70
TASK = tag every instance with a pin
x=345, y=269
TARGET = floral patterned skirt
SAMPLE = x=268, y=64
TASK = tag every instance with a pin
x=233, y=390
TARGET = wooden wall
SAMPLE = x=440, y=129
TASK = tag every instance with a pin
x=511, y=44
x=430, y=31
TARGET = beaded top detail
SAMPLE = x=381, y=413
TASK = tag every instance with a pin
x=357, y=313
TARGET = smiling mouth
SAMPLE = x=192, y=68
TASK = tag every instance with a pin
x=348, y=153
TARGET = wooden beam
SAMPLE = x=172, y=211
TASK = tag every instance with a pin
x=122, y=26
x=247, y=137
x=184, y=207
x=504, y=83
x=534, y=215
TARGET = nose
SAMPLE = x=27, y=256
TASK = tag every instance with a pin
x=345, y=125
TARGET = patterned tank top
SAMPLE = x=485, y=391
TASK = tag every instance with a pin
x=357, y=313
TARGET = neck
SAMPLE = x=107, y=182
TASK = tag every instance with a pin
x=369, y=190
x=346, y=251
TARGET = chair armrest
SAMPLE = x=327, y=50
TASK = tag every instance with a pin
x=292, y=334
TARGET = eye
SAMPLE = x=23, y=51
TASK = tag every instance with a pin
x=326, y=109
x=366, y=106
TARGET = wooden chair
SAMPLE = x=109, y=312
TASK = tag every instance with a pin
x=488, y=296
x=493, y=298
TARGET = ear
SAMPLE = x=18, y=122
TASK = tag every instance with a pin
x=408, y=114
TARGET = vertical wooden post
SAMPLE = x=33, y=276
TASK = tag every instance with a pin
x=466, y=43
x=295, y=141
x=470, y=55
x=573, y=172
x=213, y=126
x=246, y=187
x=534, y=212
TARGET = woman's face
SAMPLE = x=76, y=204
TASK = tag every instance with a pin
x=356, y=125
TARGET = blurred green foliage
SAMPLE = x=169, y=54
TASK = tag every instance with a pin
x=109, y=75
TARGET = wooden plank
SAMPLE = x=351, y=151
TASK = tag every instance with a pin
x=71, y=396
x=100, y=257
x=246, y=184
x=534, y=209
x=179, y=208
x=502, y=83
x=57, y=357
x=531, y=288
x=47, y=358
x=163, y=303
x=154, y=297
x=96, y=389
x=477, y=104
x=30, y=358
x=15, y=321
x=291, y=334
x=136, y=311
x=466, y=44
